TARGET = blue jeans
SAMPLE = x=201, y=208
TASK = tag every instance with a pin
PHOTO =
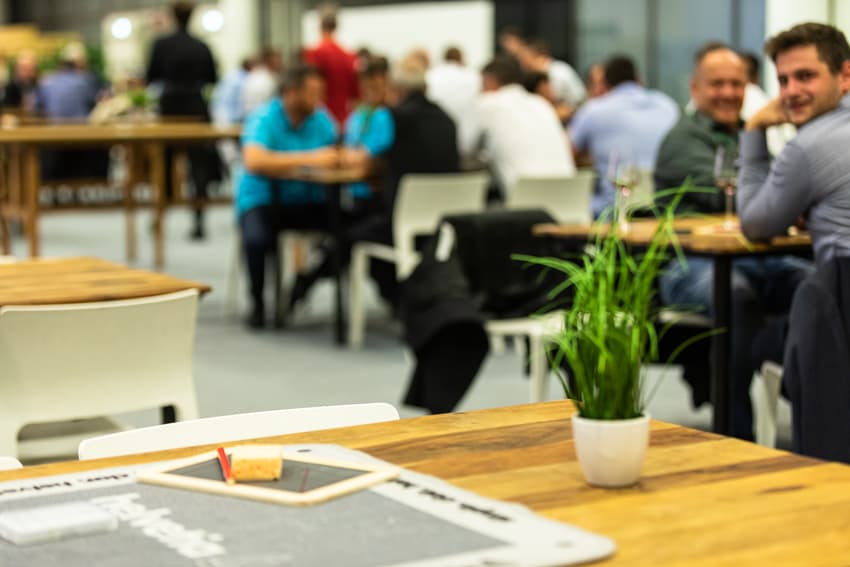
x=761, y=287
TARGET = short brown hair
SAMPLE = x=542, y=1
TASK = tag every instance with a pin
x=830, y=43
x=182, y=12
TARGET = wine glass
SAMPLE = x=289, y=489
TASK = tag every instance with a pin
x=725, y=178
x=624, y=175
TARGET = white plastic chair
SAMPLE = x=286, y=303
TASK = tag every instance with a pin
x=422, y=200
x=538, y=331
x=227, y=428
x=9, y=463
x=567, y=199
x=768, y=383
x=66, y=362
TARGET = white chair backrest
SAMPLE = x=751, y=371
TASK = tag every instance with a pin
x=567, y=199
x=422, y=200
x=227, y=428
x=61, y=362
x=9, y=463
x=642, y=195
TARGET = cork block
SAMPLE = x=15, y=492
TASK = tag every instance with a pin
x=256, y=462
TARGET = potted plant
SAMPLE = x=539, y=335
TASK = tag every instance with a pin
x=608, y=334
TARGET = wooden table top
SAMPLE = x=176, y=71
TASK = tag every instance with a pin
x=328, y=175
x=117, y=132
x=705, y=234
x=703, y=500
x=82, y=280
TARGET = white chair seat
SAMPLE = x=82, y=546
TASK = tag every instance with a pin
x=9, y=463
x=228, y=428
x=538, y=330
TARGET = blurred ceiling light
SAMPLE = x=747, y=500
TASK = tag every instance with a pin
x=122, y=28
x=212, y=20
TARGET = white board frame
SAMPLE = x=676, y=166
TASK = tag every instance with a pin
x=375, y=473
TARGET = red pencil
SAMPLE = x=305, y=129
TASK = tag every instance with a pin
x=225, y=466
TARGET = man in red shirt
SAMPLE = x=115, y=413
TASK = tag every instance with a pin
x=337, y=66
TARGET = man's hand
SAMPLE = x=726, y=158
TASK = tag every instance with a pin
x=324, y=157
x=771, y=114
x=354, y=157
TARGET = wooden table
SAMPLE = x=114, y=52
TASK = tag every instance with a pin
x=82, y=280
x=23, y=145
x=703, y=500
x=702, y=236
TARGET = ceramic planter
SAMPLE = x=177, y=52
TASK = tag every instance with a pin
x=611, y=452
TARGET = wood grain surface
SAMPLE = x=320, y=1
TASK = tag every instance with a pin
x=96, y=134
x=703, y=499
x=78, y=280
x=704, y=235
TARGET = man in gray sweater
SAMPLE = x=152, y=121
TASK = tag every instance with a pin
x=810, y=178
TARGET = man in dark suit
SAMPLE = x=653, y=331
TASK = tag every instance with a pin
x=183, y=65
x=425, y=142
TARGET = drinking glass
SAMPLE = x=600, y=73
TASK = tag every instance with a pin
x=624, y=175
x=725, y=178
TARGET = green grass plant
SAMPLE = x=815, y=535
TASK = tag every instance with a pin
x=609, y=329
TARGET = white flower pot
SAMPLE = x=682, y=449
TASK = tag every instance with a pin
x=611, y=452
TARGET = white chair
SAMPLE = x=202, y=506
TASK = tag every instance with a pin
x=538, y=331
x=567, y=199
x=422, y=200
x=768, y=384
x=67, y=362
x=9, y=463
x=227, y=428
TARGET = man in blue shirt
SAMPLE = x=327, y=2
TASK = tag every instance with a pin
x=283, y=135
x=628, y=121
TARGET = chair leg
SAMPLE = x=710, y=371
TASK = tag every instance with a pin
x=358, y=272
x=537, y=368
x=231, y=290
x=169, y=414
x=768, y=384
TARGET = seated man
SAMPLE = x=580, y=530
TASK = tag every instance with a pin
x=760, y=285
x=425, y=141
x=809, y=180
x=520, y=131
x=281, y=136
x=369, y=129
x=627, y=120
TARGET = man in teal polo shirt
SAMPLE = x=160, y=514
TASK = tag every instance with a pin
x=287, y=133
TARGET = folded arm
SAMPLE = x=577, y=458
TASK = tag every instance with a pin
x=770, y=198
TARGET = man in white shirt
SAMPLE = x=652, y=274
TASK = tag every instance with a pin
x=519, y=131
x=567, y=84
x=455, y=88
x=261, y=83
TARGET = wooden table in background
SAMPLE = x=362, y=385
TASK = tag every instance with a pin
x=703, y=499
x=702, y=236
x=23, y=145
x=81, y=280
